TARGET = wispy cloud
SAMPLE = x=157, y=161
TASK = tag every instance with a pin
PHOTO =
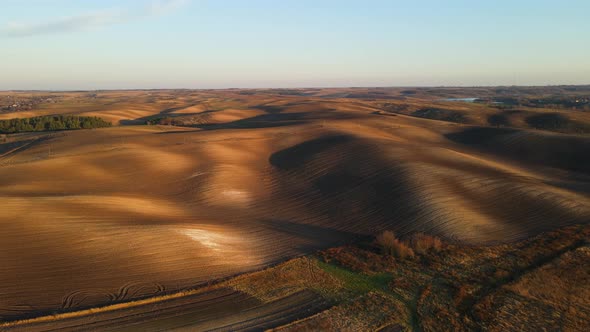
x=90, y=20
x=63, y=24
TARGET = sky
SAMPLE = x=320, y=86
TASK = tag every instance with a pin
x=107, y=44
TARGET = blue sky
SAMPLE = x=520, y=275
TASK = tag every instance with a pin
x=71, y=44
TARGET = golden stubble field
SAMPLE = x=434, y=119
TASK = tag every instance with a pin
x=100, y=216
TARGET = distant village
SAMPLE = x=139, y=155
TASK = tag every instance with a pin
x=580, y=103
x=570, y=102
x=17, y=103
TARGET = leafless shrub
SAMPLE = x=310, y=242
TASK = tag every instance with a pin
x=423, y=243
x=390, y=245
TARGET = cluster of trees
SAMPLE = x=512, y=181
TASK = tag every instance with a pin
x=566, y=102
x=51, y=122
x=577, y=103
x=161, y=121
x=168, y=121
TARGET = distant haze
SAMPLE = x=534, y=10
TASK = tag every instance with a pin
x=64, y=44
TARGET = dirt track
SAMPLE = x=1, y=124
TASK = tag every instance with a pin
x=221, y=309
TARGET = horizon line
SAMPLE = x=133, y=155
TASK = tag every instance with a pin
x=306, y=87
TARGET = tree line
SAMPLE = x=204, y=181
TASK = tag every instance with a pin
x=51, y=123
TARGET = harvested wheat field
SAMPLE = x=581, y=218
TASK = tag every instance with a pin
x=191, y=187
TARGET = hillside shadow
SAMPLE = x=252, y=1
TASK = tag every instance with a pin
x=498, y=120
x=270, y=109
x=145, y=119
x=10, y=148
x=356, y=189
x=566, y=152
x=312, y=237
x=557, y=122
x=479, y=135
x=168, y=113
x=260, y=121
x=298, y=155
x=441, y=115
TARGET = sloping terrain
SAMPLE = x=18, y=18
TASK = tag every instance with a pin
x=102, y=216
x=531, y=285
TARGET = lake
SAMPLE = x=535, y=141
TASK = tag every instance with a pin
x=467, y=100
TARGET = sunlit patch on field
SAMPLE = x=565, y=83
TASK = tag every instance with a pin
x=238, y=196
x=208, y=239
x=231, y=248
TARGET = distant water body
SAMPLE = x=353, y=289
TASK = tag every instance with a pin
x=467, y=100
